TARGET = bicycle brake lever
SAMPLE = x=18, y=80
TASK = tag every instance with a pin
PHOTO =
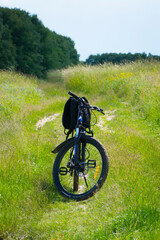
x=102, y=112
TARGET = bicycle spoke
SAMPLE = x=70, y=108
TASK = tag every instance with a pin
x=85, y=180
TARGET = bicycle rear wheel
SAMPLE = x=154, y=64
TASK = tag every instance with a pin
x=83, y=180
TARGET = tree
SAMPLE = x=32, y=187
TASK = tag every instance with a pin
x=7, y=49
x=30, y=47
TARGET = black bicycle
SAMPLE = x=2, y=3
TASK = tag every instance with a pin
x=81, y=165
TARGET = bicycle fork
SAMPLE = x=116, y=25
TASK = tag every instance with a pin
x=79, y=160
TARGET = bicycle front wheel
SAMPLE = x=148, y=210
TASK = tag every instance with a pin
x=89, y=174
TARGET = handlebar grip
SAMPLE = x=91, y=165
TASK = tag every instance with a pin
x=73, y=95
x=97, y=109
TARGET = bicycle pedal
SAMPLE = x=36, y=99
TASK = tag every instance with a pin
x=63, y=171
x=91, y=163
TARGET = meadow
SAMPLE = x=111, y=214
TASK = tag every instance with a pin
x=127, y=206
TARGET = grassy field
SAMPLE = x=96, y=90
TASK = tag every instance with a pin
x=127, y=206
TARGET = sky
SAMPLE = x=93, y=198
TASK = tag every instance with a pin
x=100, y=26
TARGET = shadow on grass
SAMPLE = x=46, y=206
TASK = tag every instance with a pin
x=51, y=192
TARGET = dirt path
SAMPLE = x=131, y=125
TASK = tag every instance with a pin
x=43, y=121
x=102, y=123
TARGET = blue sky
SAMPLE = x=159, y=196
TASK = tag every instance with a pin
x=100, y=26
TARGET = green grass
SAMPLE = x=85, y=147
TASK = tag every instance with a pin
x=127, y=206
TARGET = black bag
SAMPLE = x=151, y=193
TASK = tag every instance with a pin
x=70, y=115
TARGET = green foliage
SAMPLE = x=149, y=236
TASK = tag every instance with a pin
x=16, y=92
x=136, y=83
x=28, y=47
x=117, y=58
x=7, y=48
x=127, y=206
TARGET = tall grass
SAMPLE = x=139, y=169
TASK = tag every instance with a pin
x=23, y=160
x=137, y=83
x=16, y=92
x=127, y=206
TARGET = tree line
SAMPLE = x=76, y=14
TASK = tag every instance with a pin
x=117, y=58
x=28, y=47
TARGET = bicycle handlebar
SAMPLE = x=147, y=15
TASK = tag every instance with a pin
x=97, y=109
x=79, y=99
x=74, y=95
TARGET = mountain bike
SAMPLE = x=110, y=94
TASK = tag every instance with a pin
x=81, y=165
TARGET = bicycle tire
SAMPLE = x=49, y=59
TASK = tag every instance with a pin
x=94, y=178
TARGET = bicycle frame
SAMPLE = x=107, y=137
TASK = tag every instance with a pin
x=82, y=158
x=78, y=133
x=80, y=129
